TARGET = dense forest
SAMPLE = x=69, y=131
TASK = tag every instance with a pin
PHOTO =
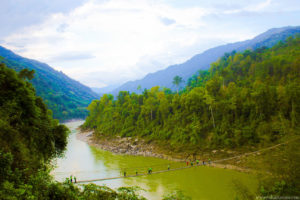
x=29, y=139
x=245, y=100
x=248, y=98
x=66, y=97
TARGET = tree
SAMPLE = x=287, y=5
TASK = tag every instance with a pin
x=25, y=73
x=177, y=81
x=210, y=101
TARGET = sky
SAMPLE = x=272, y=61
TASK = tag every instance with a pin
x=108, y=42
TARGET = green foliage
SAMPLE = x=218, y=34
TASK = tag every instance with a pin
x=177, y=81
x=41, y=186
x=29, y=139
x=25, y=73
x=24, y=118
x=66, y=98
x=249, y=98
x=176, y=195
x=198, y=79
x=285, y=169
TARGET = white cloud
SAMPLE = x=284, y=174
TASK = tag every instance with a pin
x=256, y=7
x=121, y=40
x=118, y=33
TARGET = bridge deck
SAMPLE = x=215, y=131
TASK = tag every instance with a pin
x=142, y=174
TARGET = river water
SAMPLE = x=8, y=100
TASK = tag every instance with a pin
x=201, y=182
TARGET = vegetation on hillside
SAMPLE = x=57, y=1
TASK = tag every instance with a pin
x=245, y=99
x=249, y=98
x=278, y=173
x=29, y=139
x=66, y=98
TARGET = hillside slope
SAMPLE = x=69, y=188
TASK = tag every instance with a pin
x=246, y=99
x=164, y=78
x=67, y=98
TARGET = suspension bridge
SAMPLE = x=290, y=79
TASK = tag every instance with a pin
x=163, y=168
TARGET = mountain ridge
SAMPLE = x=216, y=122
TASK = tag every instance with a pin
x=202, y=61
x=66, y=97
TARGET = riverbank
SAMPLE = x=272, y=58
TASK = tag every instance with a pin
x=139, y=147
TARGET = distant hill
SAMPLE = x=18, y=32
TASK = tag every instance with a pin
x=104, y=90
x=202, y=61
x=67, y=98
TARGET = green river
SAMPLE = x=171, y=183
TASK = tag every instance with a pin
x=201, y=182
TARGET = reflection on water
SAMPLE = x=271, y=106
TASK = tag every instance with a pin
x=86, y=162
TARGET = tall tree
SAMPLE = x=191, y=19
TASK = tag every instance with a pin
x=177, y=81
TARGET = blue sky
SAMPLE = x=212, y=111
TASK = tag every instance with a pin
x=108, y=42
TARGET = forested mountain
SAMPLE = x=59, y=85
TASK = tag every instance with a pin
x=29, y=139
x=163, y=78
x=66, y=97
x=248, y=98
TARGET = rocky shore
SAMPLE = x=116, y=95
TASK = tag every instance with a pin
x=126, y=145
x=139, y=147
